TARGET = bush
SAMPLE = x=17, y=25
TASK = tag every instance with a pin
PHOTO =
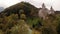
x=48, y=31
x=20, y=28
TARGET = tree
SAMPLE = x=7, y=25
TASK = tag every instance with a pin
x=20, y=28
x=58, y=26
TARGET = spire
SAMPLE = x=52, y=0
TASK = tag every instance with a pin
x=51, y=8
x=43, y=5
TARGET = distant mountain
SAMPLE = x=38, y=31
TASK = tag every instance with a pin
x=1, y=9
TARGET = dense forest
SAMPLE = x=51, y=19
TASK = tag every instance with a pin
x=22, y=18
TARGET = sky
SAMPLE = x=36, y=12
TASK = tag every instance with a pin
x=37, y=3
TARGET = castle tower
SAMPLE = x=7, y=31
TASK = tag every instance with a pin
x=52, y=10
x=43, y=6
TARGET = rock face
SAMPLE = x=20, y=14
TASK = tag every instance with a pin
x=43, y=12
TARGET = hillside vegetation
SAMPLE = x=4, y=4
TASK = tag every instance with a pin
x=22, y=18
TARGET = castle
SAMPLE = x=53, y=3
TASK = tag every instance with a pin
x=43, y=12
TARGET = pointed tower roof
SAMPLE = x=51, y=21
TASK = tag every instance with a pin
x=51, y=8
x=43, y=5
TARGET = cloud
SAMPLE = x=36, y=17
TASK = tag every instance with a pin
x=7, y=3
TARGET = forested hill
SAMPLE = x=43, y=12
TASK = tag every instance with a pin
x=22, y=18
x=28, y=9
x=19, y=19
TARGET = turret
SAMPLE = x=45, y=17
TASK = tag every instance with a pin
x=52, y=10
x=43, y=6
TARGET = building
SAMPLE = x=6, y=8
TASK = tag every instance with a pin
x=44, y=12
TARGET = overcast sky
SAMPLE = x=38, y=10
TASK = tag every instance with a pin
x=54, y=3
